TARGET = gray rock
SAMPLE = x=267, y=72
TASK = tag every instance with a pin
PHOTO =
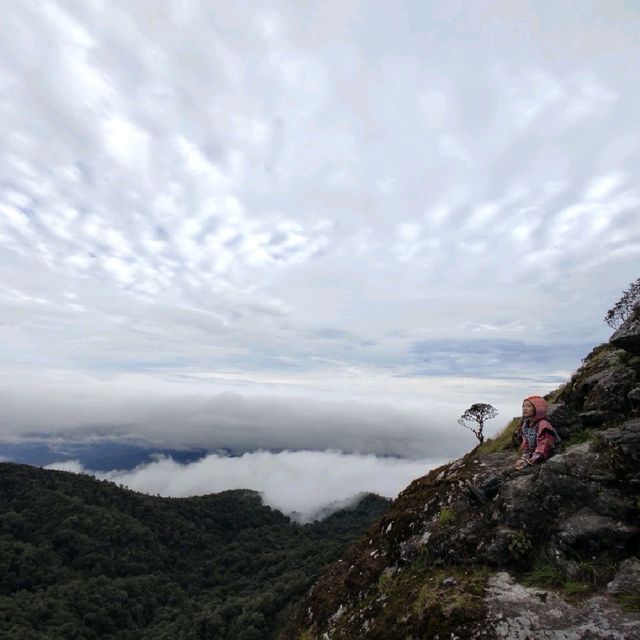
x=498, y=549
x=627, y=578
x=627, y=337
x=634, y=395
x=564, y=419
x=606, y=390
x=594, y=418
x=410, y=548
x=515, y=612
x=591, y=531
x=624, y=445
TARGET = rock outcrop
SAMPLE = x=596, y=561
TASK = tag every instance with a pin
x=515, y=612
x=532, y=562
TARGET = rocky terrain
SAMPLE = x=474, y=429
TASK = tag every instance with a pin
x=554, y=555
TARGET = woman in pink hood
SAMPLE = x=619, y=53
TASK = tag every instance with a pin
x=537, y=438
x=537, y=435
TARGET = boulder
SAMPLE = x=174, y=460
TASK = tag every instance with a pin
x=623, y=445
x=594, y=418
x=516, y=612
x=627, y=337
x=564, y=419
x=627, y=578
x=606, y=390
x=634, y=398
x=588, y=531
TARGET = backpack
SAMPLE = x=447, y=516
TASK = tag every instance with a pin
x=556, y=437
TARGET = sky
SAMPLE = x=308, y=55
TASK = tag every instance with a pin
x=324, y=227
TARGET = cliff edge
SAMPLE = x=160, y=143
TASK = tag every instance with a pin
x=554, y=555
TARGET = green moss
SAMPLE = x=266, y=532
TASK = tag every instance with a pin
x=629, y=601
x=578, y=437
x=586, y=576
x=427, y=597
x=459, y=603
x=593, y=573
x=418, y=603
x=446, y=516
x=384, y=581
x=571, y=587
x=628, y=359
x=544, y=574
x=520, y=545
x=598, y=353
x=601, y=444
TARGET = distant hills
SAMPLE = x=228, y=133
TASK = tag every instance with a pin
x=98, y=456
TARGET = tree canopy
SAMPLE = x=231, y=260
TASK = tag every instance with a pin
x=477, y=414
x=83, y=558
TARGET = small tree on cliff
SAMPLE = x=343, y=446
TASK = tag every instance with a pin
x=622, y=309
x=477, y=413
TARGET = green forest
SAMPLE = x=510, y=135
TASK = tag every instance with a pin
x=82, y=558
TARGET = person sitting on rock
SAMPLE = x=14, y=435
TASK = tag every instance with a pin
x=537, y=435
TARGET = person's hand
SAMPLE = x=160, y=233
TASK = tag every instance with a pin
x=521, y=463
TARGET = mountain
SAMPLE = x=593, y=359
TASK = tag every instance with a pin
x=102, y=455
x=553, y=555
x=84, y=558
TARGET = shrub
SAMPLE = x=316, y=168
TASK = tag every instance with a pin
x=622, y=309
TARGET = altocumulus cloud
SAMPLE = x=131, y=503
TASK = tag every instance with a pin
x=298, y=483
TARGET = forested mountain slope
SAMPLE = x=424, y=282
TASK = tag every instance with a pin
x=83, y=558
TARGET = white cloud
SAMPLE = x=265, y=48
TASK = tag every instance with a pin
x=306, y=482
x=128, y=143
x=482, y=216
x=603, y=186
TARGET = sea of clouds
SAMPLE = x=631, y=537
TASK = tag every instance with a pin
x=301, y=484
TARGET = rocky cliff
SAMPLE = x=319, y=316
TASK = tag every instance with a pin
x=553, y=555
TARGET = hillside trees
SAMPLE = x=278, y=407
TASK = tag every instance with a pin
x=83, y=558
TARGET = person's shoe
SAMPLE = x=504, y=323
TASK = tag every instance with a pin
x=476, y=494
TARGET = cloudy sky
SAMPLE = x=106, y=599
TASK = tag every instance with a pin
x=308, y=226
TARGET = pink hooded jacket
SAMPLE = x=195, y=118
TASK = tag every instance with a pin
x=546, y=438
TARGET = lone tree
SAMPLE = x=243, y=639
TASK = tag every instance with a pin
x=479, y=413
x=622, y=309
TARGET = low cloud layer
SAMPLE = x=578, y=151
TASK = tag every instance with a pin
x=304, y=482
x=406, y=416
